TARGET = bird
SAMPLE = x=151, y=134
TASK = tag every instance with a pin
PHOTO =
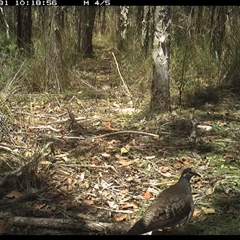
x=173, y=206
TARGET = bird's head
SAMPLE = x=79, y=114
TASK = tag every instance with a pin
x=189, y=173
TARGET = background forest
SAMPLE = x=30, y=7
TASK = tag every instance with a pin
x=45, y=46
x=80, y=152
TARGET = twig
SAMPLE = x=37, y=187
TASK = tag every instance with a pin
x=159, y=184
x=62, y=137
x=87, y=83
x=19, y=171
x=88, y=166
x=124, y=84
x=122, y=132
x=113, y=210
x=46, y=127
x=6, y=148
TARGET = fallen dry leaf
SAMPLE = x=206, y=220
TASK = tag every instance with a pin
x=47, y=211
x=69, y=180
x=38, y=206
x=198, y=184
x=86, y=184
x=125, y=162
x=164, y=169
x=125, y=190
x=228, y=155
x=223, y=123
x=208, y=210
x=15, y=194
x=125, y=149
x=176, y=164
x=147, y=195
x=184, y=160
x=88, y=201
x=196, y=212
x=121, y=217
x=130, y=205
x=134, y=204
x=209, y=191
x=95, y=160
x=108, y=126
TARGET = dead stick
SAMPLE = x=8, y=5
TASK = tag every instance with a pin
x=122, y=132
x=124, y=84
x=83, y=225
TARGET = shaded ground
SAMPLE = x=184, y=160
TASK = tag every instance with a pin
x=70, y=169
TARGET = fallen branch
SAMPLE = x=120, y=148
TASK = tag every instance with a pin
x=122, y=132
x=102, y=136
x=82, y=225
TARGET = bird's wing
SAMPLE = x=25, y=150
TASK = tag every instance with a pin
x=169, y=214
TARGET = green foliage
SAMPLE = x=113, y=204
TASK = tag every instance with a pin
x=196, y=75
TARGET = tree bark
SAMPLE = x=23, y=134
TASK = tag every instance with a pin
x=4, y=23
x=24, y=30
x=160, y=95
x=147, y=28
x=122, y=27
x=86, y=15
x=139, y=19
x=55, y=62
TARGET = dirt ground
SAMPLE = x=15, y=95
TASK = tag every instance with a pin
x=74, y=166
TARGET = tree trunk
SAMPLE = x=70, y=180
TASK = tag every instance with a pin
x=24, y=30
x=86, y=15
x=160, y=95
x=55, y=70
x=139, y=19
x=122, y=27
x=4, y=23
x=147, y=28
x=102, y=19
x=218, y=19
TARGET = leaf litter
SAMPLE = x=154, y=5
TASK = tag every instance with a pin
x=100, y=185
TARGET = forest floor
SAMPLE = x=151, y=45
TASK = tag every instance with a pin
x=86, y=162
